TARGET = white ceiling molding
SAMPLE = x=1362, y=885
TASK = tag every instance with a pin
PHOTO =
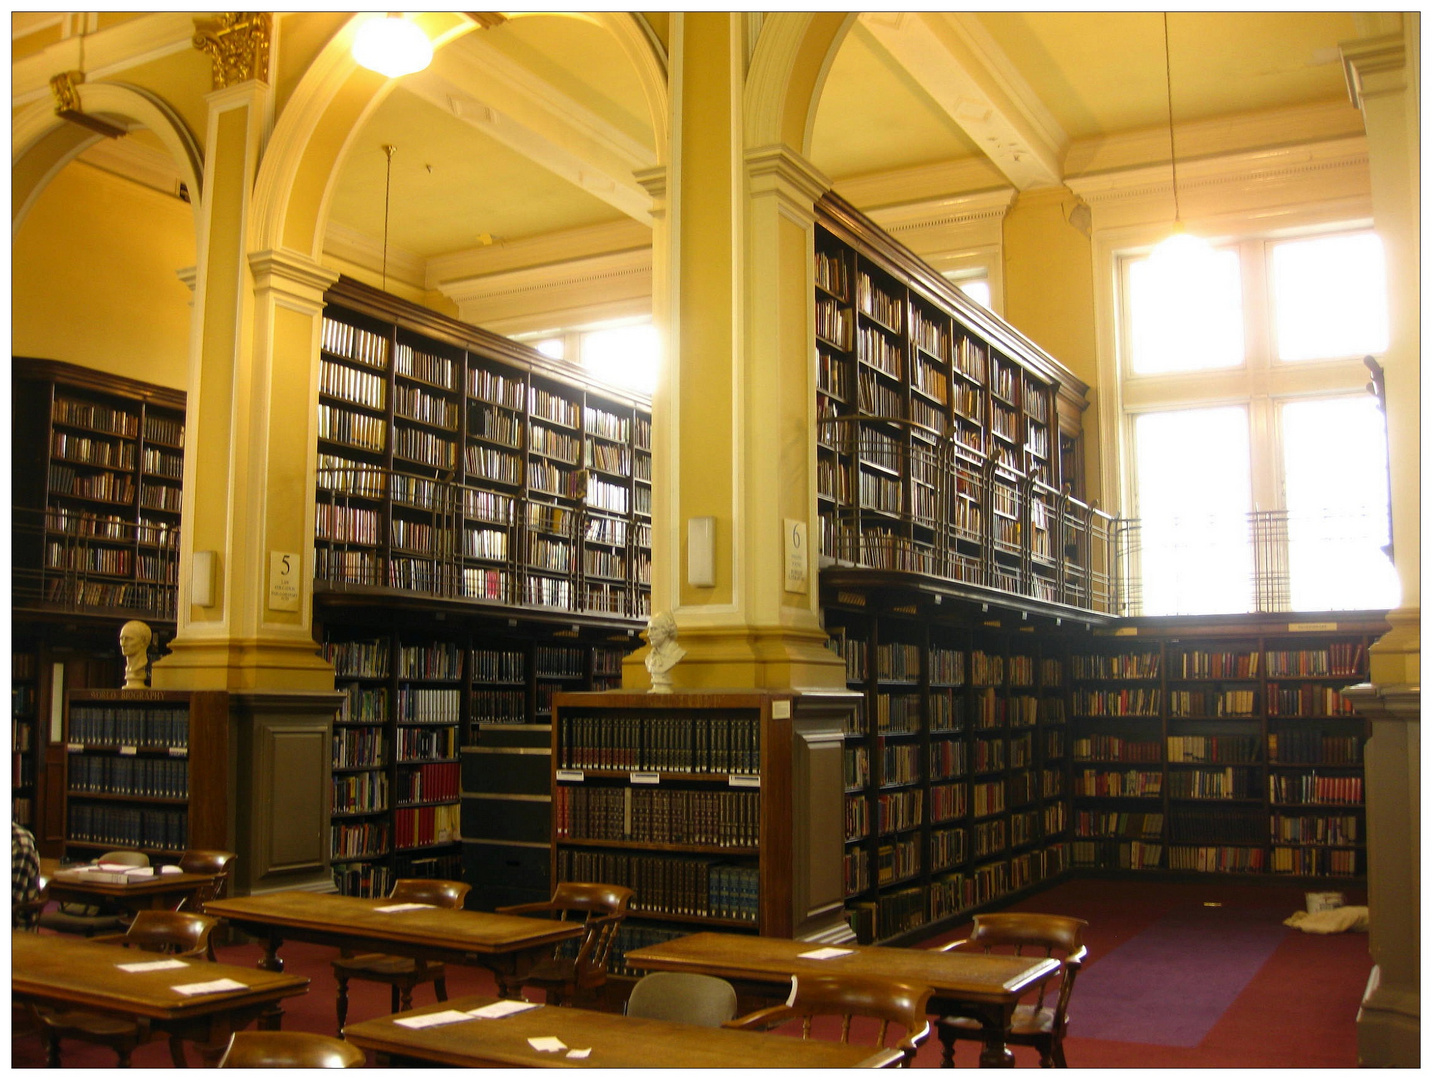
x=107, y=53
x=1224, y=135
x=483, y=88
x=1263, y=182
x=556, y=296
x=942, y=230
x=547, y=249
x=350, y=245
x=962, y=69
x=135, y=161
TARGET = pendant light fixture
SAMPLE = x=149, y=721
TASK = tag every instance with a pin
x=392, y=46
x=1179, y=253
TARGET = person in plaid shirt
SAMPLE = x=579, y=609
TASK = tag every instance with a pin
x=24, y=877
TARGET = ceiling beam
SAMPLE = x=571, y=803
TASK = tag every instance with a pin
x=505, y=101
x=967, y=75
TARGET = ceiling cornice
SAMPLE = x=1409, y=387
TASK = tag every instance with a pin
x=899, y=187
x=107, y=53
x=550, y=249
x=135, y=161
x=350, y=245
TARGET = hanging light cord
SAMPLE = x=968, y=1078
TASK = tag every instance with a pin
x=387, y=192
x=1168, y=90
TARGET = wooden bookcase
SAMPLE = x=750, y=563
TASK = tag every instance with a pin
x=719, y=808
x=1222, y=746
x=97, y=465
x=948, y=444
x=455, y=463
x=146, y=769
x=956, y=768
x=25, y=736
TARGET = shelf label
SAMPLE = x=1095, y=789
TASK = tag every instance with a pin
x=1312, y=627
x=743, y=781
x=571, y=776
x=645, y=778
x=780, y=710
x=75, y=747
x=129, y=751
x=1127, y=631
x=797, y=562
x=178, y=751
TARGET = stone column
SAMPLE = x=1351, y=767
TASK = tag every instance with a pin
x=732, y=416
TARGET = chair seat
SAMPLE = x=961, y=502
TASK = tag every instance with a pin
x=1027, y=1021
x=559, y=970
x=78, y=1023
x=382, y=966
x=67, y=923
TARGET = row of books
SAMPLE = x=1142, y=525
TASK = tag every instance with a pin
x=1097, y=747
x=1313, y=862
x=435, y=782
x=704, y=888
x=1211, y=824
x=656, y=815
x=87, y=451
x=1218, y=859
x=360, y=793
x=358, y=839
x=1213, y=749
x=359, y=748
x=1312, y=788
x=120, y=827
x=897, y=860
x=706, y=744
x=423, y=826
x=1313, y=748
x=417, y=705
x=105, y=774
x=1226, y=783
x=157, y=727
x=91, y=414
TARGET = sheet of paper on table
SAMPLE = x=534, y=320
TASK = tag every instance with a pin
x=503, y=1008
x=215, y=986
x=152, y=965
x=546, y=1043
x=447, y=1016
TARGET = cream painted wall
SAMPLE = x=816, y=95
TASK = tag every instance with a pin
x=94, y=282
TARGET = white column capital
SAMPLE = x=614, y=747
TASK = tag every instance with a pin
x=779, y=170
x=1373, y=66
x=292, y=273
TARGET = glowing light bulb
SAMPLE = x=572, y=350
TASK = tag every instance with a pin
x=393, y=46
x=1182, y=260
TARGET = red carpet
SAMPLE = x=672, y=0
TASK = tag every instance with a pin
x=1297, y=1011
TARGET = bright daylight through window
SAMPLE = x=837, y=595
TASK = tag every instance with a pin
x=1259, y=461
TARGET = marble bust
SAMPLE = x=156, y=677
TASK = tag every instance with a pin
x=665, y=652
x=134, y=638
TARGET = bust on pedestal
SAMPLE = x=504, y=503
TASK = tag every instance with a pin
x=134, y=638
x=665, y=652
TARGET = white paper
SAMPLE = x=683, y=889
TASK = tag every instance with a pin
x=217, y=986
x=170, y=870
x=447, y=1016
x=825, y=954
x=502, y=1008
x=579, y=1053
x=403, y=907
x=140, y=871
x=152, y=965
x=546, y=1043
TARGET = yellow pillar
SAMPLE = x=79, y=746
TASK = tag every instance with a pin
x=732, y=416
x=1383, y=79
x=248, y=464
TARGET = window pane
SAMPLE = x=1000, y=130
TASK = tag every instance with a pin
x=623, y=355
x=976, y=290
x=553, y=347
x=1194, y=496
x=1330, y=297
x=1335, y=488
x=1185, y=314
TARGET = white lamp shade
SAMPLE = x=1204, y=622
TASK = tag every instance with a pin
x=392, y=46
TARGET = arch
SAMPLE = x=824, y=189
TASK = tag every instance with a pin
x=43, y=143
x=335, y=96
x=793, y=56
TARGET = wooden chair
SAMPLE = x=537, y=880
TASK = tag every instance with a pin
x=847, y=996
x=178, y=933
x=566, y=976
x=73, y=917
x=1036, y=1025
x=198, y=861
x=26, y=916
x=684, y=998
x=289, y=1050
x=401, y=973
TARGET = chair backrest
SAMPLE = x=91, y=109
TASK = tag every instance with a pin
x=848, y=996
x=124, y=858
x=1027, y=934
x=183, y=933
x=683, y=997
x=604, y=906
x=218, y=863
x=439, y=893
x=290, y=1050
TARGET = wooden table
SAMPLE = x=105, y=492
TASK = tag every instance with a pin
x=986, y=988
x=71, y=972
x=507, y=945
x=615, y=1041
x=159, y=891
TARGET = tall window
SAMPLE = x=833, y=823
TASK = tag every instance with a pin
x=624, y=355
x=1259, y=462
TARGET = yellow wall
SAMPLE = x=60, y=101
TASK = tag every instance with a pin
x=94, y=277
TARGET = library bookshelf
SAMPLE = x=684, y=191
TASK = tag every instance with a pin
x=949, y=445
x=145, y=769
x=719, y=808
x=24, y=735
x=97, y=483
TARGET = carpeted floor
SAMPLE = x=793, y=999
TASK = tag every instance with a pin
x=1170, y=983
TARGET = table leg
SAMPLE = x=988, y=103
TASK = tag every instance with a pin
x=270, y=960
